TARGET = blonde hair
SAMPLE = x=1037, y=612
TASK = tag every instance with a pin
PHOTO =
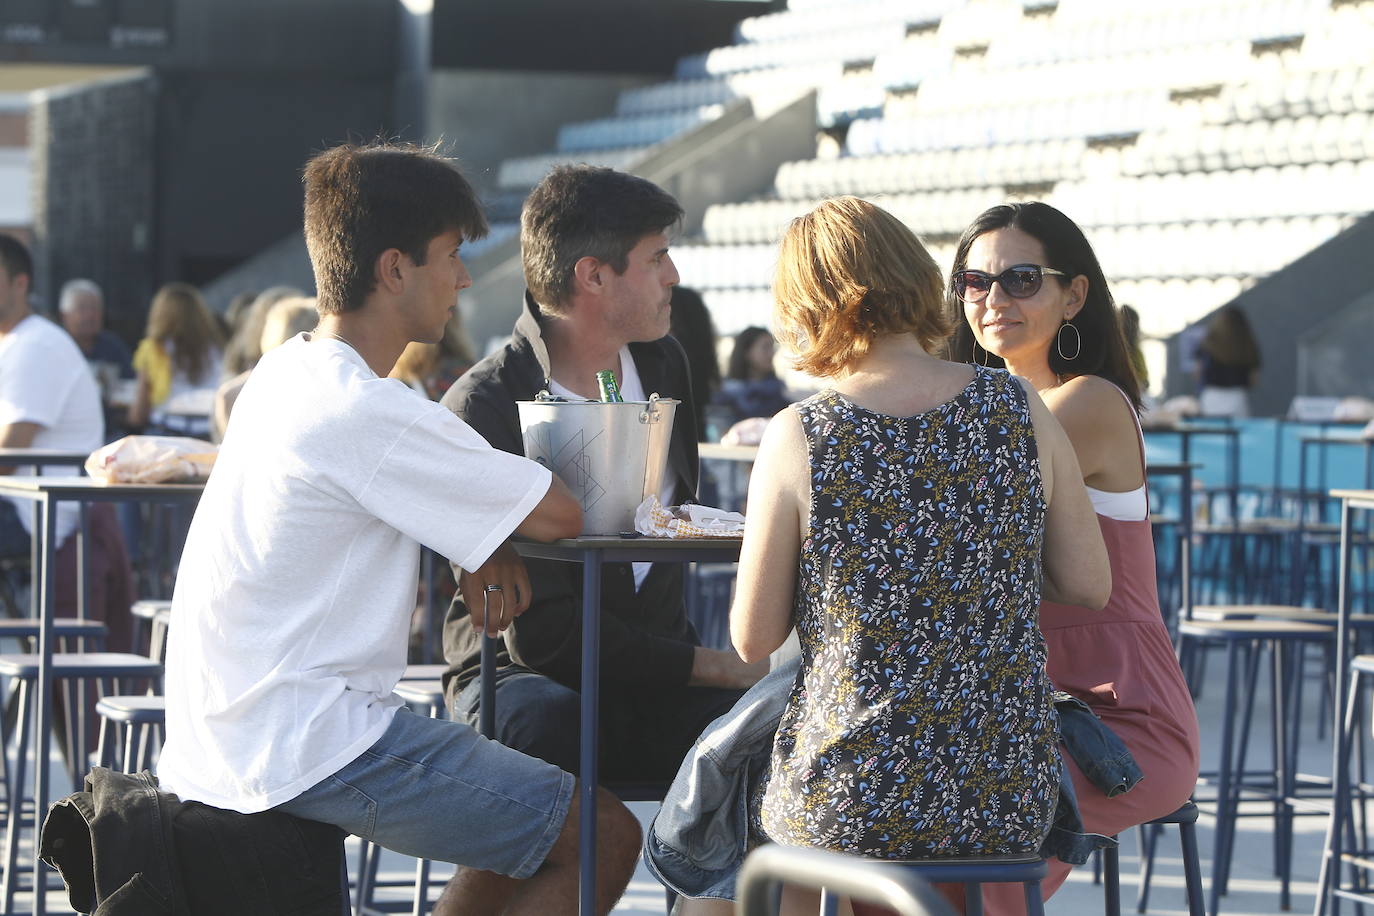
x=287, y=318
x=848, y=273
x=178, y=314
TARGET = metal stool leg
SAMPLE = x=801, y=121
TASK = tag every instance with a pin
x=1111, y=880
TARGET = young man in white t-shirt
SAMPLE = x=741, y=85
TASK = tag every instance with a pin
x=295, y=590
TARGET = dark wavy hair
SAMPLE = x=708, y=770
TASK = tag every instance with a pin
x=1103, y=352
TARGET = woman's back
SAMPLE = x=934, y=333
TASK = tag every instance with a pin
x=921, y=723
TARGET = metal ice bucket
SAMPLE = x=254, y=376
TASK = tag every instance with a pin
x=610, y=455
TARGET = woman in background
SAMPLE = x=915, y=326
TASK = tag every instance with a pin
x=1033, y=298
x=693, y=328
x=177, y=360
x=432, y=368
x=905, y=520
x=751, y=388
x=1228, y=360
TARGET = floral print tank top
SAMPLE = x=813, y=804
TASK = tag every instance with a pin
x=921, y=723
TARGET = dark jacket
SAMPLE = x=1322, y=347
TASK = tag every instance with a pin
x=646, y=638
x=124, y=848
x=699, y=837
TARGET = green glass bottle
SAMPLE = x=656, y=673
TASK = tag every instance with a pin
x=610, y=391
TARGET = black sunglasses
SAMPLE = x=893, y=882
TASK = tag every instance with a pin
x=1020, y=281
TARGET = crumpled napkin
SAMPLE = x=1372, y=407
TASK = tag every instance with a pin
x=152, y=459
x=653, y=519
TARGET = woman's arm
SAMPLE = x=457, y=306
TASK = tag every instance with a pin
x=761, y=616
x=139, y=409
x=1076, y=568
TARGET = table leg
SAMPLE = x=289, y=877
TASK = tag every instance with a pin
x=43, y=711
x=591, y=653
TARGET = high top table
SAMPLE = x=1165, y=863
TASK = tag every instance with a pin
x=592, y=552
x=47, y=493
x=40, y=458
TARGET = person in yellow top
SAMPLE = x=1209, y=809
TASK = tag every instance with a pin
x=180, y=353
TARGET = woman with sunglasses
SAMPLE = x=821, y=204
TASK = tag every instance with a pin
x=1034, y=300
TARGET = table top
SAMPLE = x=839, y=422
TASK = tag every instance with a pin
x=1199, y=429
x=624, y=548
x=29, y=485
x=1338, y=440
x=1171, y=467
x=9, y=457
x=1355, y=496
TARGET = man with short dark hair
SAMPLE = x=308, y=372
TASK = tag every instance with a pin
x=295, y=590
x=48, y=397
x=595, y=248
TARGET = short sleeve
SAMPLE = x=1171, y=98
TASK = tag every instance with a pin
x=442, y=484
x=27, y=391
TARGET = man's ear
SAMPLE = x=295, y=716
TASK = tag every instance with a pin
x=588, y=275
x=388, y=270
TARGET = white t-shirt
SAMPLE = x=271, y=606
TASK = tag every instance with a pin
x=294, y=595
x=44, y=379
x=631, y=389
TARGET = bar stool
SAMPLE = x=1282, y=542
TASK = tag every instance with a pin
x=423, y=695
x=1245, y=642
x=107, y=669
x=972, y=873
x=154, y=615
x=1186, y=819
x=1355, y=851
x=134, y=720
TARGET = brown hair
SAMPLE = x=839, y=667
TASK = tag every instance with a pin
x=580, y=211
x=179, y=315
x=1229, y=340
x=848, y=273
x=363, y=200
x=1102, y=346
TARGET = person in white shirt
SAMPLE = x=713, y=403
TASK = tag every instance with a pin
x=294, y=593
x=49, y=400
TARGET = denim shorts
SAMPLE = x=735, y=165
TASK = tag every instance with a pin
x=436, y=789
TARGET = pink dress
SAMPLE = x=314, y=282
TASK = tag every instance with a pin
x=1120, y=661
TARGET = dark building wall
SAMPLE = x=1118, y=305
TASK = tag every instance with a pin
x=605, y=36
x=247, y=90
x=94, y=192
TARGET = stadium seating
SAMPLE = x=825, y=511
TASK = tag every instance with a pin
x=1201, y=143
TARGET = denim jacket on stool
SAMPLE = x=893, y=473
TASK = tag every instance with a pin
x=698, y=840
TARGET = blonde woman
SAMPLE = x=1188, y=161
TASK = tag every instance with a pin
x=177, y=360
x=905, y=520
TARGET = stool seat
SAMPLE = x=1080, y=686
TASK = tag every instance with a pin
x=134, y=710
x=81, y=664
x=424, y=672
x=1363, y=664
x=1185, y=815
x=1255, y=629
x=27, y=627
x=148, y=608
x=422, y=692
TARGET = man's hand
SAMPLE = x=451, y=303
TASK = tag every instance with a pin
x=501, y=586
x=714, y=668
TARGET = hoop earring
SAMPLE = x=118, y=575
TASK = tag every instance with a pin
x=1059, y=342
x=976, y=348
